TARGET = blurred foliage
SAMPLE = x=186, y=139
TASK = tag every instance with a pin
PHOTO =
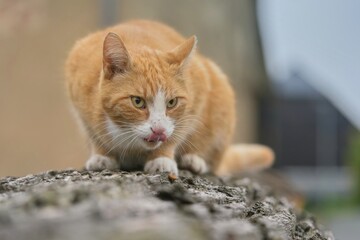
x=331, y=207
x=335, y=204
x=354, y=164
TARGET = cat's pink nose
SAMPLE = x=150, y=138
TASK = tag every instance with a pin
x=158, y=131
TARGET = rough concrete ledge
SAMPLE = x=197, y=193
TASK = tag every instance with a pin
x=71, y=204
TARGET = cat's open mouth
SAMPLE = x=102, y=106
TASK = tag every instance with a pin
x=152, y=143
x=151, y=140
x=154, y=138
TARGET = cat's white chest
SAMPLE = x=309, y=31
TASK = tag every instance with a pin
x=123, y=145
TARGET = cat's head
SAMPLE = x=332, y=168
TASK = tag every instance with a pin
x=144, y=92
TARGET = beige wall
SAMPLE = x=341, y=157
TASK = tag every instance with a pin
x=37, y=131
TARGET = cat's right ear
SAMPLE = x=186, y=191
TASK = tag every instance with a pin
x=182, y=54
x=116, y=59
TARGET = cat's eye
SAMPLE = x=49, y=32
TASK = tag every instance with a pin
x=172, y=103
x=138, y=102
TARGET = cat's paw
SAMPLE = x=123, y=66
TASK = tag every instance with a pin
x=98, y=162
x=161, y=164
x=194, y=163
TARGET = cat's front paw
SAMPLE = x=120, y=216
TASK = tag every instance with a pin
x=161, y=164
x=99, y=162
x=194, y=163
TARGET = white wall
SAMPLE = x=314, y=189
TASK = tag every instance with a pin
x=320, y=38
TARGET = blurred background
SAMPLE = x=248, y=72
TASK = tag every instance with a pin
x=295, y=66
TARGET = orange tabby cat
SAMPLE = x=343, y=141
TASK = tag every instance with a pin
x=148, y=100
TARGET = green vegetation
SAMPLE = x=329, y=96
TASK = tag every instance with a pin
x=354, y=164
x=336, y=204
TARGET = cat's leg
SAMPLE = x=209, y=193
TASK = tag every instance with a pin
x=161, y=164
x=200, y=153
x=161, y=161
x=194, y=163
x=191, y=153
x=99, y=161
x=190, y=157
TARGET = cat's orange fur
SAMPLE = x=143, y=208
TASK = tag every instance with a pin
x=107, y=72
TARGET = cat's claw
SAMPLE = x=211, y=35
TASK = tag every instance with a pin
x=98, y=162
x=161, y=164
x=194, y=163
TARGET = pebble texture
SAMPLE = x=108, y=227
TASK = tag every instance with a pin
x=72, y=204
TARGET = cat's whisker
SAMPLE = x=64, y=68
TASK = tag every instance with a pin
x=105, y=125
x=188, y=121
x=111, y=135
x=188, y=129
x=186, y=142
x=190, y=145
x=119, y=143
x=127, y=147
x=106, y=134
x=124, y=149
x=112, y=139
x=122, y=137
x=187, y=132
x=179, y=145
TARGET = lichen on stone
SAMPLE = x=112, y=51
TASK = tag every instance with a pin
x=87, y=205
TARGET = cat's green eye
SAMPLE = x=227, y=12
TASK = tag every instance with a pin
x=172, y=103
x=138, y=102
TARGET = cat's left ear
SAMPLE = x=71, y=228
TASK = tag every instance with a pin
x=182, y=53
x=116, y=58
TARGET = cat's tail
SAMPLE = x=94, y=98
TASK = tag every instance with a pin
x=245, y=158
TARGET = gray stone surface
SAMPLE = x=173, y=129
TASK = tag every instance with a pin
x=72, y=204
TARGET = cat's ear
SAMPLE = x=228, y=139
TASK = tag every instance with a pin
x=182, y=53
x=116, y=58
